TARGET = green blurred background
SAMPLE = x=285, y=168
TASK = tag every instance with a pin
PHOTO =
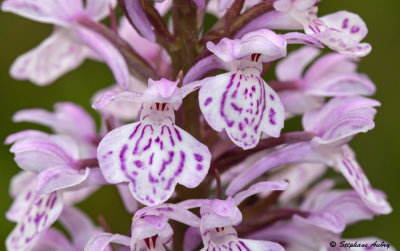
x=377, y=152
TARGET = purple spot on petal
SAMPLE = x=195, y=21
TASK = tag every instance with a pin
x=345, y=23
x=272, y=116
x=208, y=101
x=355, y=29
x=199, y=167
x=138, y=163
x=198, y=157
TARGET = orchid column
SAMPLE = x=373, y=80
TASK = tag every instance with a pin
x=193, y=133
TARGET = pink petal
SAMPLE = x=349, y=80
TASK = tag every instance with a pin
x=299, y=176
x=108, y=53
x=349, y=23
x=79, y=225
x=99, y=9
x=48, y=11
x=101, y=241
x=245, y=106
x=59, y=177
x=343, y=85
x=39, y=154
x=349, y=167
x=148, y=227
x=290, y=154
x=130, y=203
x=117, y=97
x=24, y=196
x=153, y=159
x=63, y=120
x=260, y=187
x=202, y=67
x=341, y=31
x=300, y=38
x=139, y=19
x=219, y=213
x=110, y=103
x=12, y=138
x=274, y=20
x=42, y=213
x=346, y=205
x=261, y=245
x=292, y=67
x=53, y=240
x=171, y=211
x=332, y=63
x=54, y=57
x=265, y=42
x=341, y=119
x=298, y=102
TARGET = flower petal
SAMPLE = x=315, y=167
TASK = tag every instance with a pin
x=300, y=38
x=111, y=103
x=270, y=45
x=171, y=211
x=63, y=120
x=108, y=53
x=130, y=203
x=219, y=213
x=260, y=245
x=24, y=195
x=342, y=85
x=153, y=159
x=48, y=11
x=340, y=119
x=297, y=102
x=349, y=167
x=286, y=155
x=101, y=241
x=245, y=106
x=274, y=20
x=12, y=138
x=202, y=67
x=299, y=176
x=99, y=9
x=41, y=214
x=79, y=225
x=54, y=57
x=38, y=154
x=341, y=31
x=59, y=177
x=53, y=240
x=260, y=187
x=292, y=67
x=346, y=206
x=139, y=19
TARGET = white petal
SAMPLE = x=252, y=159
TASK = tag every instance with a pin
x=55, y=56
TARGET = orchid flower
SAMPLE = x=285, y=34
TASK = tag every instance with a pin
x=219, y=216
x=67, y=119
x=79, y=227
x=329, y=211
x=240, y=101
x=34, y=213
x=150, y=229
x=331, y=75
x=334, y=125
x=65, y=49
x=341, y=31
x=55, y=158
x=154, y=154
